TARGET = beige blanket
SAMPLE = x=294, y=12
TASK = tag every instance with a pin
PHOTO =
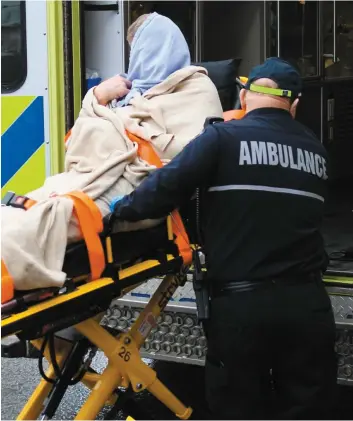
x=102, y=162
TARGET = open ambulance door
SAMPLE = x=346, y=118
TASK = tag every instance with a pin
x=40, y=88
x=93, y=43
x=103, y=27
x=25, y=132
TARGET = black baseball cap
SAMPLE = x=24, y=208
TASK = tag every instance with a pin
x=280, y=71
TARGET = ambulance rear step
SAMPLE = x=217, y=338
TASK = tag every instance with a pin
x=179, y=338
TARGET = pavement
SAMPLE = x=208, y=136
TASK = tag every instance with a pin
x=19, y=377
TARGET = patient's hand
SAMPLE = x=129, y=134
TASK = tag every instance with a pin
x=113, y=88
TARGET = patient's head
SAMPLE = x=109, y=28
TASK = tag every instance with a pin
x=273, y=84
x=135, y=26
x=158, y=49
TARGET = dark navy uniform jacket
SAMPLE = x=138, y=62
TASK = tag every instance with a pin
x=265, y=177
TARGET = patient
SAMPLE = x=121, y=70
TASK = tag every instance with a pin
x=162, y=99
x=158, y=49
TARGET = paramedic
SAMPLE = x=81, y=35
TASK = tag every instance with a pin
x=272, y=331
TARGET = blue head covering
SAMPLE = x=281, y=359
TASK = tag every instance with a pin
x=157, y=50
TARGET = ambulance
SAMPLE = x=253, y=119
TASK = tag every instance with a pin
x=53, y=51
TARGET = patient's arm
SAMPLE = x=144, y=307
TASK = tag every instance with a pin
x=170, y=186
x=114, y=88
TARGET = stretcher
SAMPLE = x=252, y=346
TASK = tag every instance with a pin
x=64, y=323
x=82, y=306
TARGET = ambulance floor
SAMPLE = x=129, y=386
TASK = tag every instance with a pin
x=19, y=377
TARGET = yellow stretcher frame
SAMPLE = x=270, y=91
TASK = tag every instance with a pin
x=125, y=366
x=13, y=324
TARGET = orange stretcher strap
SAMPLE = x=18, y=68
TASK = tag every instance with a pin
x=29, y=203
x=145, y=151
x=182, y=239
x=22, y=202
x=7, y=284
x=68, y=134
x=91, y=224
x=148, y=154
x=233, y=115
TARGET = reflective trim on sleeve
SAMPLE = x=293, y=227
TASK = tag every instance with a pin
x=267, y=189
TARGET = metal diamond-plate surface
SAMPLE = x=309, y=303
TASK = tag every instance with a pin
x=342, y=307
x=344, y=349
x=178, y=337
x=146, y=290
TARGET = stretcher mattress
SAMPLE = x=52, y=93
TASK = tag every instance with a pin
x=137, y=256
x=127, y=248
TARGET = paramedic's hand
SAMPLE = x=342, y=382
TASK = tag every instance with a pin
x=113, y=203
x=113, y=88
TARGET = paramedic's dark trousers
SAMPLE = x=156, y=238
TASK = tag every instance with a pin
x=287, y=329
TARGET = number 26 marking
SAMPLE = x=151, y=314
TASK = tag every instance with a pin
x=125, y=355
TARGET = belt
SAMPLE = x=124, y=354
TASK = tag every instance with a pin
x=229, y=288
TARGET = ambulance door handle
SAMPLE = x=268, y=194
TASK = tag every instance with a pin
x=330, y=118
x=330, y=109
x=333, y=55
x=114, y=7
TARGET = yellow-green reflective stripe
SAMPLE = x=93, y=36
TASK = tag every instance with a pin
x=11, y=108
x=76, y=53
x=56, y=85
x=30, y=176
x=339, y=280
x=270, y=91
x=22, y=143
